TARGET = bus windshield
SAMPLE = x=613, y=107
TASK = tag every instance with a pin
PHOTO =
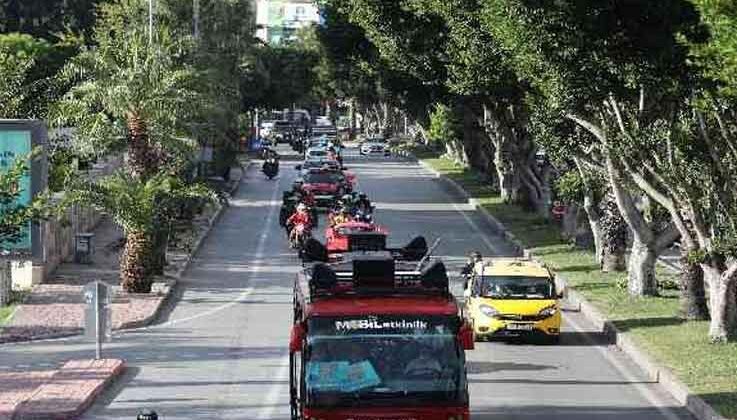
x=384, y=361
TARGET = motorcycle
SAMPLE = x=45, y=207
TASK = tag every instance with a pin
x=298, y=236
x=270, y=169
x=364, y=217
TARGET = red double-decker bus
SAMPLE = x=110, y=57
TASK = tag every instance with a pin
x=374, y=338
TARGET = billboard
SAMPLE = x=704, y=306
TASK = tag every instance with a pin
x=18, y=138
x=13, y=145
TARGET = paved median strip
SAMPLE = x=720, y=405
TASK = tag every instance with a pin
x=61, y=394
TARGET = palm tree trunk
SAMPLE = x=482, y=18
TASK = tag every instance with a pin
x=134, y=263
x=143, y=159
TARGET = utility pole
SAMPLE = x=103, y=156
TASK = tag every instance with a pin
x=150, y=21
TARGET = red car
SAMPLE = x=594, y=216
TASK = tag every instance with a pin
x=355, y=236
x=325, y=186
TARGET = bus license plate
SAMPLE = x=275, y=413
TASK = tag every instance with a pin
x=519, y=327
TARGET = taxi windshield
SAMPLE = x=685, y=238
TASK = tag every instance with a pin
x=322, y=178
x=384, y=361
x=516, y=287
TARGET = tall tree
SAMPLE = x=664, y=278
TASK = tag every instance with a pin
x=592, y=60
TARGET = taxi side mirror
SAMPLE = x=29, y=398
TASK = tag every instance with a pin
x=298, y=167
x=466, y=337
x=296, y=337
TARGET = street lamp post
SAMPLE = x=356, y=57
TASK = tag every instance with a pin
x=196, y=17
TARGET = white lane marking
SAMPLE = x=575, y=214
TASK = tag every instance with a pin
x=623, y=370
x=260, y=253
x=271, y=402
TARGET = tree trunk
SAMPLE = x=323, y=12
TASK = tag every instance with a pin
x=641, y=271
x=352, y=116
x=613, y=237
x=693, y=294
x=134, y=261
x=732, y=308
x=158, y=257
x=594, y=219
x=718, y=304
x=509, y=181
x=6, y=281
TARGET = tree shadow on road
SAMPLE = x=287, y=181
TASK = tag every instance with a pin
x=473, y=367
x=629, y=324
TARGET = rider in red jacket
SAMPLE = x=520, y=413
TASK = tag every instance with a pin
x=300, y=217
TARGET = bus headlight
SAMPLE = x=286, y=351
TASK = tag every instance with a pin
x=549, y=311
x=489, y=311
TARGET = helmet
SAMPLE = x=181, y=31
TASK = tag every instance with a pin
x=362, y=195
x=476, y=256
x=301, y=207
x=346, y=197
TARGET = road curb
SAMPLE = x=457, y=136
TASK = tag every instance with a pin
x=655, y=371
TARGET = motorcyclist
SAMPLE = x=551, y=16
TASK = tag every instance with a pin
x=300, y=217
x=271, y=162
x=347, y=201
x=363, y=204
x=474, y=258
x=343, y=216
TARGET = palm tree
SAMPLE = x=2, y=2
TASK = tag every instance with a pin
x=133, y=96
x=130, y=94
x=135, y=204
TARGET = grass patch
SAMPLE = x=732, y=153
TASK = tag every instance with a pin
x=6, y=313
x=710, y=371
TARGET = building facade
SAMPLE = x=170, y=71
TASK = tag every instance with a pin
x=278, y=21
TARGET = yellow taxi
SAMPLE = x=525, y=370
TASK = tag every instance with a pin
x=512, y=298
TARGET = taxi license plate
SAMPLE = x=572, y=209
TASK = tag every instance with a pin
x=519, y=327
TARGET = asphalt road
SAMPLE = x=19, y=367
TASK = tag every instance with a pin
x=219, y=351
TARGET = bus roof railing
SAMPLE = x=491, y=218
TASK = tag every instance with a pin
x=375, y=275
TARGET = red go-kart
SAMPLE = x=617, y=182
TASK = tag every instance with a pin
x=355, y=236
